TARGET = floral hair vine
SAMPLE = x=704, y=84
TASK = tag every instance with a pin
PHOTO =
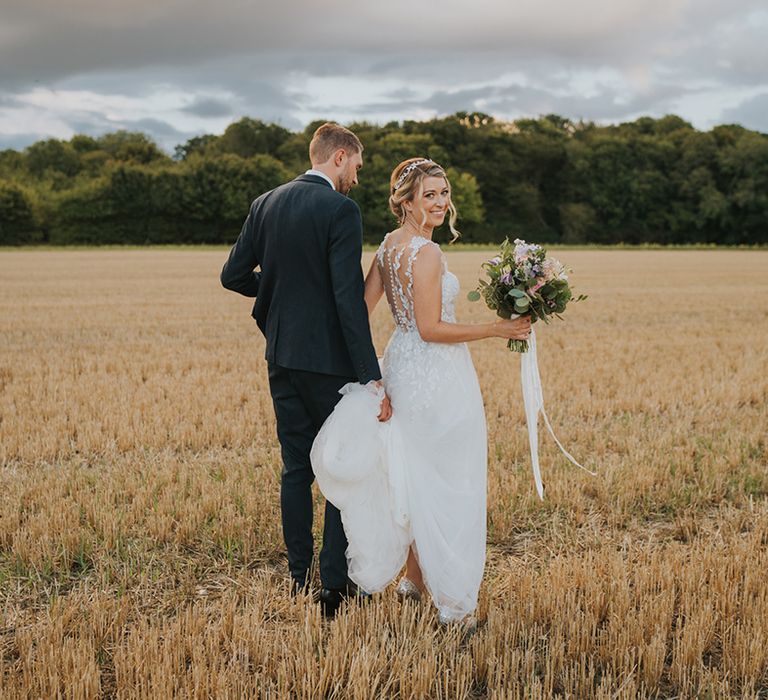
x=408, y=169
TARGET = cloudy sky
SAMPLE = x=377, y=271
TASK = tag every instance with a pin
x=177, y=68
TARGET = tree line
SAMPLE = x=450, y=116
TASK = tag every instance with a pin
x=549, y=180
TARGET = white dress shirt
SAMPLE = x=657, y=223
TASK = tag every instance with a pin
x=312, y=171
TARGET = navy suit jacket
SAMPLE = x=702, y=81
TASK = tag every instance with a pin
x=306, y=240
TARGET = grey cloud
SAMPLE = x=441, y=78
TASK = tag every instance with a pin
x=441, y=101
x=7, y=100
x=719, y=45
x=403, y=93
x=248, y=82
x=742, y=58
x=446, y=61
x=52, y=40
x=208, y=107
x=445, y=102
x=513, y=101
x=606, y=105
x=752, y=113
x=162, y=130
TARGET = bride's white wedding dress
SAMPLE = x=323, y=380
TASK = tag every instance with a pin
x=420, y=478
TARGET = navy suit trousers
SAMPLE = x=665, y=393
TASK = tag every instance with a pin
x=302, y=401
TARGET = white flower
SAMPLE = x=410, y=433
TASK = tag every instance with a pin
x=553, y=269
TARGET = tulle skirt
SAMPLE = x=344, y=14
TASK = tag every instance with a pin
x=418, y=480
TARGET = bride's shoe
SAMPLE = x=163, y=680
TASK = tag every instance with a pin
x=467, y=624
x=408, y=589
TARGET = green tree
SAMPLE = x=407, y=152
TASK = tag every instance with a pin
x=11, y=164
x=744, y=166
x=249, y=137
x=17, y=216
x=196, y=145
x=84, y=215
x=132, y=147
x=52, y=156
x=465, y=194
x=545, y=179
x=84, y=144
x=699, y=207
x=577, y=221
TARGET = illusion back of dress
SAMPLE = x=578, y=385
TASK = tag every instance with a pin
x=395, y=262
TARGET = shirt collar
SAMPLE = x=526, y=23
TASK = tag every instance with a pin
x=318, y=173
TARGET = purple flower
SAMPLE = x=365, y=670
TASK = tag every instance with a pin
x=506, y=278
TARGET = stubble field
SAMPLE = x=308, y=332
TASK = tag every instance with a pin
x=140, y=545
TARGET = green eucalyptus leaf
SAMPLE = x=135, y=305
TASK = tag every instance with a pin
x=474, y=295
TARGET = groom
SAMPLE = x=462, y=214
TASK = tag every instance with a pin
x=306, y=239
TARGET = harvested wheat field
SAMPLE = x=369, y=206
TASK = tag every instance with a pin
x=140, y=544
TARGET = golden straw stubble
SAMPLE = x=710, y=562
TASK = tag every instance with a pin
x=140, y=545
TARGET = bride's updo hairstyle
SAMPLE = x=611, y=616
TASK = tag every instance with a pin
x=407, y=184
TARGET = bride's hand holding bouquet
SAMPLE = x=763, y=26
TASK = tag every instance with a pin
x=522, y=281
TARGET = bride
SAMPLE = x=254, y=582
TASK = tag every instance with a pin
x=422, y=502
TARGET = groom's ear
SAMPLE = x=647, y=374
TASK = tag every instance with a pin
x=338, y=157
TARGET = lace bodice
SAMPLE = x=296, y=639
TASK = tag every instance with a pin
x=396, y=267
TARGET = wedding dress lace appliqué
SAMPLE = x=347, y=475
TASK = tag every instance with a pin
x=420, y=478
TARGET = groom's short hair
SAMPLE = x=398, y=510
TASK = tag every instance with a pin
x=329, y=138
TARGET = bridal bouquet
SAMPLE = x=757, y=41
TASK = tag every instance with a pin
x=522, y=280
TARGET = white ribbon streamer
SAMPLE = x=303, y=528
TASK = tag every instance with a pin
x=533, y=399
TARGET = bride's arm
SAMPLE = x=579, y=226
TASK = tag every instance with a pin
x=374, y=287
x=427, y=307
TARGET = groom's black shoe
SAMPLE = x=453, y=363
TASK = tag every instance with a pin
x=331, y=600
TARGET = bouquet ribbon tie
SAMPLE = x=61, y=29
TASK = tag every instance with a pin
x=533, y=400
